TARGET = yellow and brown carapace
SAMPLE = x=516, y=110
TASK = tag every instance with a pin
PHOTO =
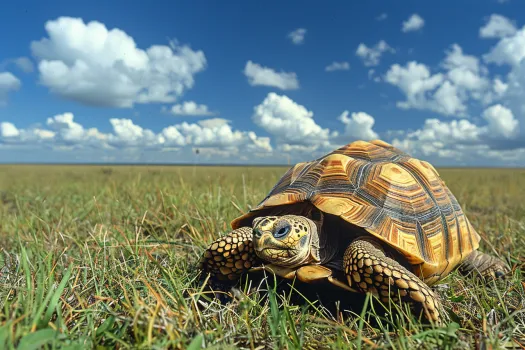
x=397, y=198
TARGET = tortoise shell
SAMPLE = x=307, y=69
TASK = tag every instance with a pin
x=394, y=197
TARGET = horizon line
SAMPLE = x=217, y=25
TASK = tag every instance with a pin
x=220, y=164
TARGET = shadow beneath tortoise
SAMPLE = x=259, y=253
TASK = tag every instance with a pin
x=323, y=295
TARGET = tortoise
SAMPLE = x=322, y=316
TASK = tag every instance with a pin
x=367, y=218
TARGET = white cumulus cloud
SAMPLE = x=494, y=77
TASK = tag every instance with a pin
x=416, y=81
x=499, y=87
x=264, y=76
x=334, y=66
x=462, y=78
x=294, y=129
x=8, y=130
x=63, y=131
x=372, y=55
x=8, y=83
x=414, y=23
x=514, y=91
x=297, y=36
x=509, y=50
x=497, y=26
x=191, y=108
x=67, y=131
x=289, y=122
x=461, y=83
x=94, y=65
x=464, y=70
x=501, y=122
x=358, y=126
x=462, y=140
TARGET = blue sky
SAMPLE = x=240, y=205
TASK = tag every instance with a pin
x=247, y=82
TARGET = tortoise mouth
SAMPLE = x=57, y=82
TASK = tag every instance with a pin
x=269, y=243
x=283, y=257
x=279, y=250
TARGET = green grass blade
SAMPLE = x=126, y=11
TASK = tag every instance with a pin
x=36, y=340
x=51, y=301
x=196, y=343
x=4, y=334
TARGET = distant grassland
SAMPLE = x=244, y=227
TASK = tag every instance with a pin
x=106, y=256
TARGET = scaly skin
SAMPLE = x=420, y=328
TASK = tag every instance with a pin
x=488, y=266
x=368, y=269
x=229, y=256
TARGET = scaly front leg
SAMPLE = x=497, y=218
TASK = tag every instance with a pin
x=229, y=256
x=368, y=269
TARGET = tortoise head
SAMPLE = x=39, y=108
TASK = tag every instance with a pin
x=287, y=240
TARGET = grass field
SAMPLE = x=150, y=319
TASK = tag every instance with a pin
x=106, y=257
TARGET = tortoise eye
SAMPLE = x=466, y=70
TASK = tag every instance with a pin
x=283, y=231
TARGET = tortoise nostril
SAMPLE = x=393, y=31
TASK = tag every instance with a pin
x=263, y=243
x=266, y=241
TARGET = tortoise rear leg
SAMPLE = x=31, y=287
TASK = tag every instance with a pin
x=229, y=256
x=368, y=269
x=486, y=265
